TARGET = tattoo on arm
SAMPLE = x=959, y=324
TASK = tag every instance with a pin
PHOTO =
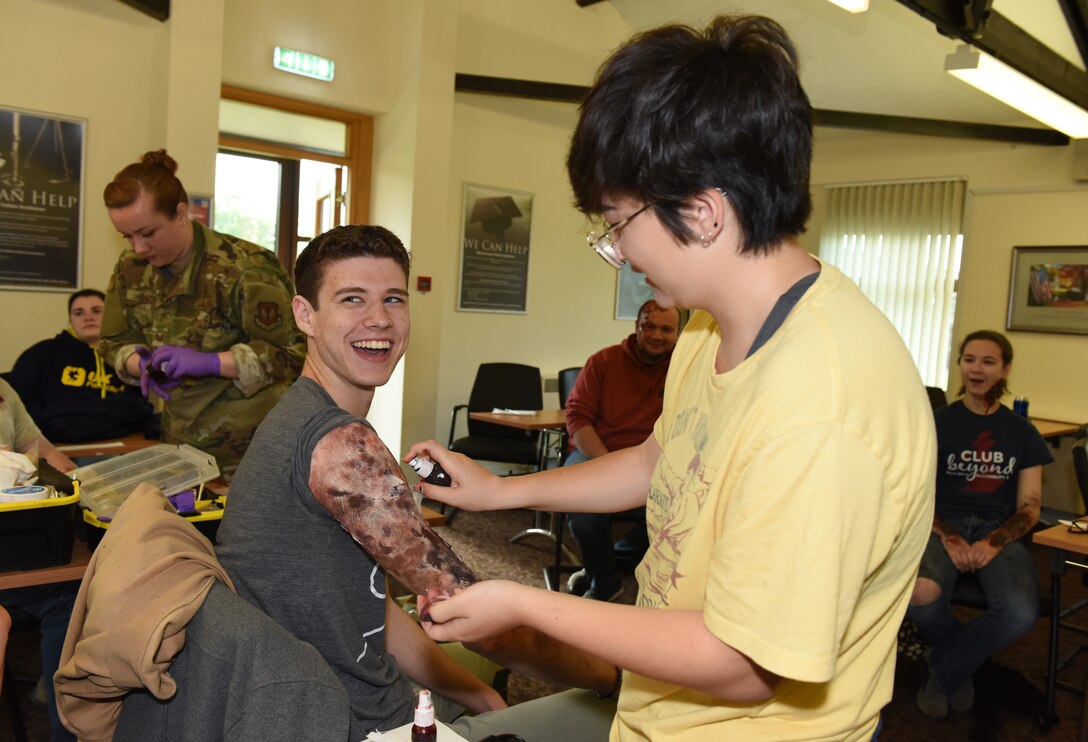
x=943, y=528
x=353, y=475
x=1019, y=523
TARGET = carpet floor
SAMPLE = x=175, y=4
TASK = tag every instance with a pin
x=1008, y=697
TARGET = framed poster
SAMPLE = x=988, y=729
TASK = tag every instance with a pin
x=200, y=209
x=495, y=230
x=41, y=197
x=1048, y=290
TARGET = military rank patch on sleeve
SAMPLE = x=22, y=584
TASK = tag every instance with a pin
x=268, y=316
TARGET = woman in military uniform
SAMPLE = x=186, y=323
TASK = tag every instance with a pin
x=198, y=318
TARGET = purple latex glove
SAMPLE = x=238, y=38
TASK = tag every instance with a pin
x=179, y=362
x=153, y=381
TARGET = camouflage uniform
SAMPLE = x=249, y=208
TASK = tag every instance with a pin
x=233, y=295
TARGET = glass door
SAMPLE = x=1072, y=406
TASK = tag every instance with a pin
x=247, y=197
x=279, y=203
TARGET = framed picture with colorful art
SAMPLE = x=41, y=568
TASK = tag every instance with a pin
x=1048, y=290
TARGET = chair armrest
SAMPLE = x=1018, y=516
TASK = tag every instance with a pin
x=453, y=422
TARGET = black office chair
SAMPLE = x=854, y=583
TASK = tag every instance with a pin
x=511, y=386
x=1049, y=516
x=505, y=386
x=1080, y=463
x=553, y=575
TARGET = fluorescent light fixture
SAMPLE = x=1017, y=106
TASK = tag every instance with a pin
x=854, y=6
x=1017, y=90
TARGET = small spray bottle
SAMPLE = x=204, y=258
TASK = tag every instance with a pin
x=430, y=472
x=423, y=727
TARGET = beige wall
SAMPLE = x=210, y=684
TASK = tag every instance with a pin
x=104, y=62
x=139, y=84
x=1018, y=195
x=521, y=145
x=142, y=84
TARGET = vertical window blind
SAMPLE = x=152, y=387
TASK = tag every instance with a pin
x=901, y=243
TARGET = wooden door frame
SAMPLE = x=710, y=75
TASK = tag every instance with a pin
x=359, y=147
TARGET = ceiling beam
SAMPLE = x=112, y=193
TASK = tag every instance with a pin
x=157, y=9
x=937, y=128
x=1003, y=39
x=1076, y=15
x=553, y=91
x=560, y=92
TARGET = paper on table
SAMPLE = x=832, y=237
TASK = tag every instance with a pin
x=504, y=411
x=79, y=446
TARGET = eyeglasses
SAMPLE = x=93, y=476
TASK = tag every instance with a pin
x=605, y=244
x=1078, y=526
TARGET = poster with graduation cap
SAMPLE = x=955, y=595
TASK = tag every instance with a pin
x=495, y=226
x=41, y=190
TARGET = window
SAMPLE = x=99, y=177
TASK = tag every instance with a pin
x=317, y=176
x=901, y=243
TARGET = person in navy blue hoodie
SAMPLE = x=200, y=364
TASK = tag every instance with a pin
x=69, y=390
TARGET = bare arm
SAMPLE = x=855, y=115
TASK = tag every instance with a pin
x=958, y=550
x=1029, y=500
x=618, y=481
x=49, y=452
x=228, y=367
x=423, y=661
x=353, y=475
x=589, y=442
x=527, y=650
x=673, y=646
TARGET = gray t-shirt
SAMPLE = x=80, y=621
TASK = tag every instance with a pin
x=288, y=556
x=240, y=676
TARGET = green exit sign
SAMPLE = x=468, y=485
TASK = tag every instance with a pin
x=303, y=63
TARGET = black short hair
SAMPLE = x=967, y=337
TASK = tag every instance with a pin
x=340, y=243
x=81, y=293
x=675, y=111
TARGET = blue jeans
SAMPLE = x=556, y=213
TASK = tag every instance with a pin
x=1011, y=586
x=593, y=532
x=52, y=605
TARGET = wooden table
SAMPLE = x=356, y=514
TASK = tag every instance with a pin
x=45, y=575
x=539, y=420
x=1052, y=430
x=116, y=447
x=1065, y=544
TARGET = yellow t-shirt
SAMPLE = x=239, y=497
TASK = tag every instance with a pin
x=791, y=505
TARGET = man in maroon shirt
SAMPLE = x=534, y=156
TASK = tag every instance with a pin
x=614, y=404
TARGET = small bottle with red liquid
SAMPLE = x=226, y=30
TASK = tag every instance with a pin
x=423, y=728
x=430, y=472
